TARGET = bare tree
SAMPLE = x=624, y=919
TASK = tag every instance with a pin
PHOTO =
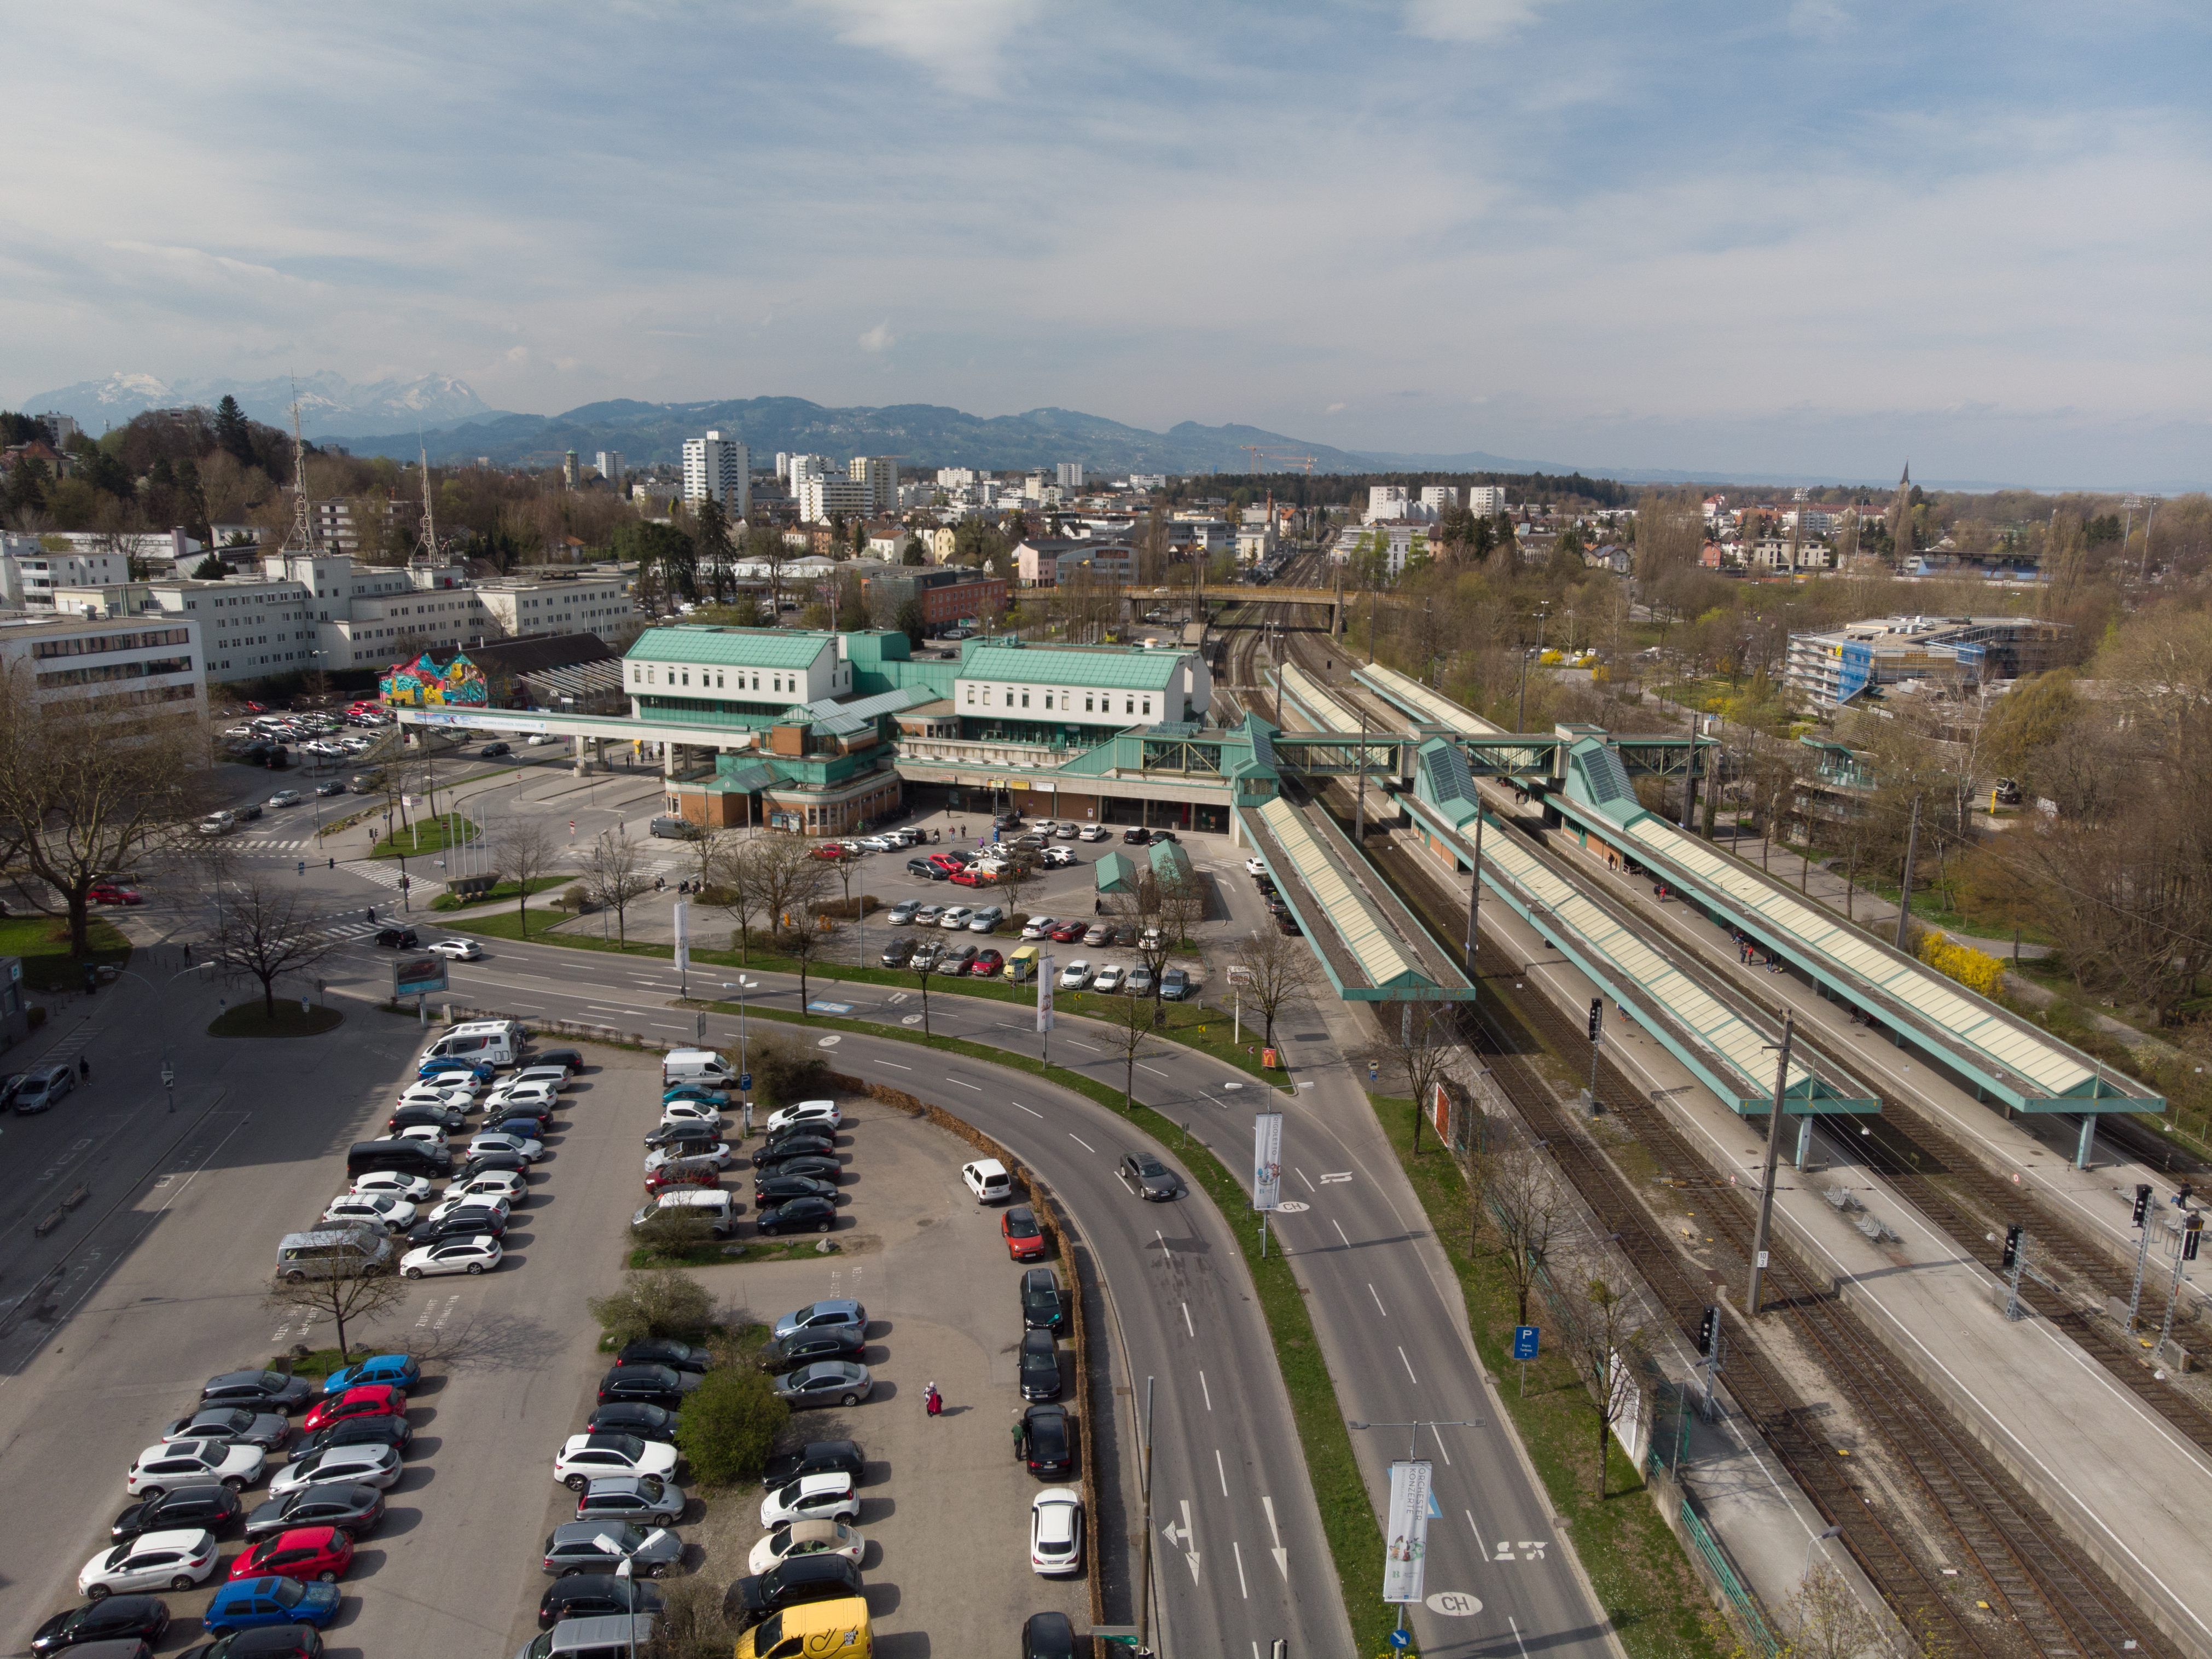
x=1281, y=968
x=341, y=1299
x=265, y=930
x=85, y=794
x=1015, y=878
x=786, y=877
x=1131, y=1022
x=614, y=874
x=923, y=967
x=1419, y=1056
x=1602, y=1334
x=526, y=851
x=1822, y=1620
x=808, y=938
x=1526, y=1208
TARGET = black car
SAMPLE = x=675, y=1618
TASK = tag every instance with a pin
x=790, y=1582
x=899, y=952
x=1040, y=1366
x=262, y=1642
x=353, y=1510
x=1049, y=1433
x=815, y=1457
x=436, y=1117
x=788, y=1147
x=467, y=1222
x=652, y=1385
x=494, y=750
x=800, y=1215
x=393, y=1429
x=781, y=1188
x=572, y=1059
x=398, y=938
x=800, y=1348
x=118, y=1618
x=512, y=1162
x=268, y=1391
x=1146, y=1176
x=925, y=869
x=595, y=1596
x=660, y=1351
x=1136, y=837
x=205, y=1508
x=1048, y=1635
x=1044, y=1308
x=623, y=1417
x=683, y=1133
x=815, y=1166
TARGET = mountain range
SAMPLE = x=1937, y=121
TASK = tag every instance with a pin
x=328, y=402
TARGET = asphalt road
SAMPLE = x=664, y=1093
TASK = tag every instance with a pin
x=1385, y=1305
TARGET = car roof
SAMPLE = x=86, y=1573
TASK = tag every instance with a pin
x=174, y=1538
x=825, y=1480
x=583, y=1532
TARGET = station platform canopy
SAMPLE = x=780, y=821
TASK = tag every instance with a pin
x=2000, y=1055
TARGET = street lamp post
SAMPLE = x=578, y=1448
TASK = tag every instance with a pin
x=169, y=1083
x=1412, y=1450
x=741, y=985
x=1813, y=1543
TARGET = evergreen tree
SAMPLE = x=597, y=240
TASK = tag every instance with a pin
x=233, y=433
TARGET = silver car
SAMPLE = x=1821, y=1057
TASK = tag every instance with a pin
x=599, y=1546
x=827, y=1381
x=267, y=1429
x=646, y=1499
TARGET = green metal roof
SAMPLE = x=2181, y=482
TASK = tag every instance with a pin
x=1114, y=873
x=1120, y=671
x=730, y=648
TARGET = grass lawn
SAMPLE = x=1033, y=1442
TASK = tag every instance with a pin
x=505, y=890
x=43, y=944
x=1643, y=1579
x=425, y=836
x=248, y=1020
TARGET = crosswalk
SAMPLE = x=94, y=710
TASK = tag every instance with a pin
x=277, y=844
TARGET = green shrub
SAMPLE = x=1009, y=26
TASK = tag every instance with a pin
x=730, y=1424
x=662, y=1302
x=783, y=1076
x=675, y=1232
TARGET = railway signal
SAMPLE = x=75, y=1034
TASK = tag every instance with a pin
x=2143, y=1202
x=2011, y=1256
x=2189, y=1235
x=1597, y=1020
x=1708, y=1327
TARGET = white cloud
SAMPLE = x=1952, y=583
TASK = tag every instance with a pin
x=1468, y=21
x=878, y=338
x=1336, y=408
x=957, y=41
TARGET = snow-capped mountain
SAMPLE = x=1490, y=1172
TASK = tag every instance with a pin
x=329, y=403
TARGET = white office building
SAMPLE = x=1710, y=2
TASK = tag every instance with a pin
x=958, y=477
x=1484, y=501
x=1385, y=501
x=820, y=497
x=139, y=666
x=718, y=468
x=30, y=571
x=879, y=474
x=611, y=465
x=1071, y=475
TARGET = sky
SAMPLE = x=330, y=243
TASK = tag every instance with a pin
x=1808, y=237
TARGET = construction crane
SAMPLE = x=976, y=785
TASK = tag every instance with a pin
x=1284, y=458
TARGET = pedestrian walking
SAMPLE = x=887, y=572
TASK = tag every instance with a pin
x=1021, y=1441
x=932, y=1401
x=188, y=954
x=83, y=1069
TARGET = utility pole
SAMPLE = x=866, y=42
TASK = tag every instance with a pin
x=2184, y=1250
x=1145, y=1566
x=1904, y=891
x=1521, y=720
x=1359, y=811
x=2143, y=1252
x=1475, y=895
x=1690, y=781
x=1773, y=1157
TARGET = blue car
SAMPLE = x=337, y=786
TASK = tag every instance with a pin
x=692, y=1092
x=250, y=1603
x=482, y=1071
x=399, y=1370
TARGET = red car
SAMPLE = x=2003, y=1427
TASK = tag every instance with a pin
x=986, y=965
x=1068, y=932
x=948, y=862
x=305, y=1554
x=831, y=850
x=369, y=1400
x=969, y=878
x=255, y=708
x=1024, y=1238
x=107, y=892
x=686, y=1174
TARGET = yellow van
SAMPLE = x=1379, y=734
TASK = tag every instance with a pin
x=1021, y=965
x=813, y=1629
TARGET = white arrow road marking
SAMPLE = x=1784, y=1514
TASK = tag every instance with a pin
x=1282, y=1556
x=1190, y=1555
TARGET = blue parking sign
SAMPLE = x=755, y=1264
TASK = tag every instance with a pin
x=1524, y=1341
x=744, y=1082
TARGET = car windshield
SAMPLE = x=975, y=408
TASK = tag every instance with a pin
x=286, y=1592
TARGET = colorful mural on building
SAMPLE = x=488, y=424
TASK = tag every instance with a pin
x=424, y=684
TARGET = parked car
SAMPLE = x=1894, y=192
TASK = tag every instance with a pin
x=669, y=828
x=955, y=917
x=988, y=1179
x=173, y=1560
x=1037, y=928
x=118, y=1620
x=193, y=1509
x=665, y=1350
x=249, y=1603
x=174, y=1463
x=320, y=1555
x=267, y=1429
x=785, y=1353
x=648, y=1500
x=1050, y=1434
x=1175, y=985
x=1109, y=978
x=360, y=1465
x=631, y=1417
x=584, y=1458
x=1025, y=1237
x=1068, y=932
x=792, y=1582
x=470, y=1253
x=1044, y=1304
x=264, y=1390
x=1056, y=1531
x=826, y=1381
x=1093, y=832
x=901, y=913
x=1136, y=836
x=829, y=1496
x=815, y=1316
x=595, y=1596
x=823, y=1115
x=791, y=1541
x=364, y=1400
x=986, y=965
x=780, y=1188
x=1040, y=1366
x=812, y=1215
x=1057, y=858
x=985, y=919
x=1139, y=982
x=650, y=1385
x=597, y=1546
x=356, y=1509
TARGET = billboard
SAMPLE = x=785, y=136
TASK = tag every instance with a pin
x=1044, y=992
x=1268, y=1161
x=1404, y=1559
x=417, y=973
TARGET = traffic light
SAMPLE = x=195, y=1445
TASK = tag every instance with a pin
x=1708, y=1328
x=1597, y=1018
x=2189, y=1235
x=2142, y=1201
x=2013, y=1236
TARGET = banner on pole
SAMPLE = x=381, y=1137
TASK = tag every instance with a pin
x=1406, y=1555
x=1268, y=1161
x=683, y=936
x=1044, y=993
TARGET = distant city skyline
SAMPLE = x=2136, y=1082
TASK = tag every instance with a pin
x=1810, y=241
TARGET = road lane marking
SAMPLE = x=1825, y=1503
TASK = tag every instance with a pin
x=1301, y=1175
x=1081, y=1142
x=1379, y=1307
x=1408, y=1365
x=1155, y=1071
x=1339, y=1225
x=1080, y=1043
x=1517, y=1642
x=1476, y=1530
x=1186, y=1325
x=1241, y=1585
x=1441, y=1447
x=1019, y=1107
x=1207, y=1391
x=1222, y=1470
x=895, y=1063
x=975, y=1086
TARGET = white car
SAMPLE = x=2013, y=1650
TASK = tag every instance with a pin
x=695, y=1111
x=452, y=1201
x=811, y=1497
x=880, y=843
x=1038, y=926
x=460, y=950
x=152, y=1561
x=557, y=1077
x=798, y=1538
x=955, y=918
x=1255, y=867
x=1075, y=975
x=1056, y=1531
x=522, y=1094
x=1109, y=978
x=584, y=1458
x=1091, y=832
x=475, y=1254
x=362, y=1465
x=988, y=1179
x=430, y=1133
x=1056, y=858
x=807, y=1113
x=447, y=1092
x=389, y=1183
x=719, y=1153
x=1042, y=826
x=491, y=1183
x=528, y=1149
x=176, y=1463
x=394, y=1215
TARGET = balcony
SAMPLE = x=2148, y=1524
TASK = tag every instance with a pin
x=984, y=751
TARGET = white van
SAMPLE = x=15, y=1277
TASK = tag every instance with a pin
x=334, y=1253
x=701, y=1066
x=488, y=1046
x=714, y=1204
